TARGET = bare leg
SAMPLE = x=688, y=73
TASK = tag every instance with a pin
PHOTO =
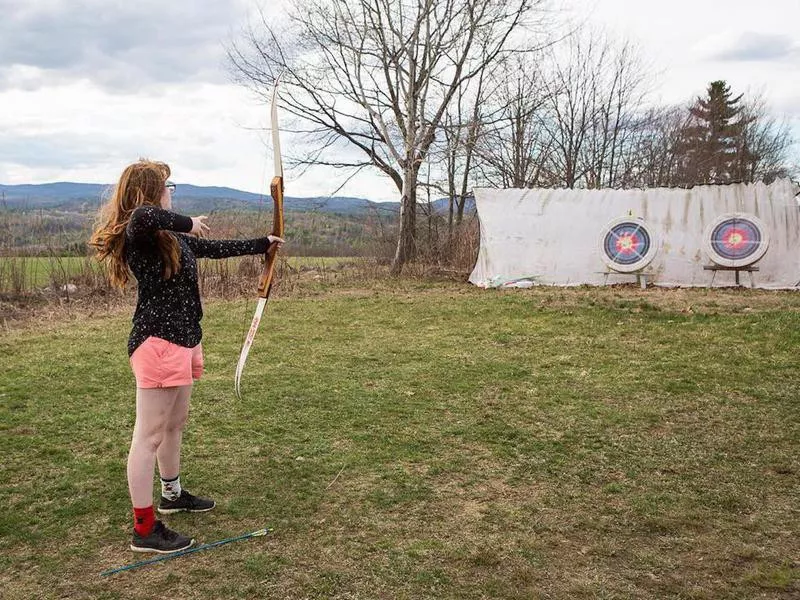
x=153, y=406
x=169, y=451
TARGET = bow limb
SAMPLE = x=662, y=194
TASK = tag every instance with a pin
x=267, y=273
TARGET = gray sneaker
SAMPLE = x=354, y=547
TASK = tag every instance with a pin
x=186, y=502
x=161, y=540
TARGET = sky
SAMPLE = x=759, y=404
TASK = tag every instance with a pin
x=89, y=86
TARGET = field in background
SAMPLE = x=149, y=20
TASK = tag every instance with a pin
x=410, y=439
x=60, y=232
x=27, y=274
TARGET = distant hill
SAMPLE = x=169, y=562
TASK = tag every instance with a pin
x=88, y=196
x=77, y=196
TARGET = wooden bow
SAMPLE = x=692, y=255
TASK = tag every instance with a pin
x=265, y=281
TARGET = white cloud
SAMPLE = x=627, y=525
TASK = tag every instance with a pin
x=119, y=45
x=200, y=127
x=87, y=86
x=209, y=134
x=749, y=46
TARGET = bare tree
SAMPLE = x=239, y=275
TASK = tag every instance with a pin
x=652, y=159
x=596, y=88
x=571, y=113
x=377, y=76
x=461, y=128
x=617, y=95
x=514, y=149
x=768, y=141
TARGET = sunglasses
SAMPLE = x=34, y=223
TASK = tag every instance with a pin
x=171, y=187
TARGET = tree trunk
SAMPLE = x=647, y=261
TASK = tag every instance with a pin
x=450, y=216
x=460, y=208
x=406, y=239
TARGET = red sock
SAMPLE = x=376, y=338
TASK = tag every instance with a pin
x=143, y=520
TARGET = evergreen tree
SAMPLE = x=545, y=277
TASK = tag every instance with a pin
x=713, y=147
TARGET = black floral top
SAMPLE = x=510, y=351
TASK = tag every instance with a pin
x=170, y=309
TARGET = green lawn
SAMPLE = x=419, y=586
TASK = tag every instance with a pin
x=26, y=273
x=428, y=440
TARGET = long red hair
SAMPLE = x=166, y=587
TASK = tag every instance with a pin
x=140, y=184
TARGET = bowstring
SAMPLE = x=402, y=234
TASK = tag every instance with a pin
x=259, y=218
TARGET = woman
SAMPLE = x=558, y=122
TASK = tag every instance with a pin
x=138, y=233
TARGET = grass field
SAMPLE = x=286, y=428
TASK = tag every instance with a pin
x=24, y=273
x=28, y=273
x=428, y=440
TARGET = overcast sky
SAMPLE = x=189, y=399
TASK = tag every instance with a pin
x=88, y=86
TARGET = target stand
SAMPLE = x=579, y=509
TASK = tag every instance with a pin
x=734, y=242
x=736, y=270
x=628, y=246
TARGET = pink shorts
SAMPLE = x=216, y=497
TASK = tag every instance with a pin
x=157, y=363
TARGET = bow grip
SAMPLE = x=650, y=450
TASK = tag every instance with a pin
x=265, y=281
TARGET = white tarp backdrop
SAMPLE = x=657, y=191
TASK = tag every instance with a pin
x=552, y=237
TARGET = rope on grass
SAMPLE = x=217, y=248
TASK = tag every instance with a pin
x=165, y=557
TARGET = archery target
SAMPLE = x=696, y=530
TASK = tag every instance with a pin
x=736, y=240
x=627, y=245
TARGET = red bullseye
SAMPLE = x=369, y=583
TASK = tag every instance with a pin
x=736, y=240
x=627, y=245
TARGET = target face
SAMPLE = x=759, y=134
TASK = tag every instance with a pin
x=736, y=240
x=627, y=245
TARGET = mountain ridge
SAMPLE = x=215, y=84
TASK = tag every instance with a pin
x=84, y=197
x=68, y=194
